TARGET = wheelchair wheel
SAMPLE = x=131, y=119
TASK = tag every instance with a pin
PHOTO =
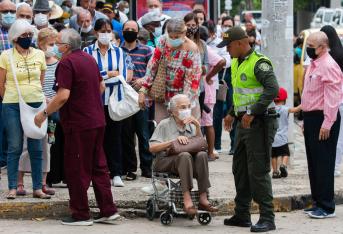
x=204, y=218
x=151, y=209
x=166, y=218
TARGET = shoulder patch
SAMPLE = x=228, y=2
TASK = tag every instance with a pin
x=264, y=66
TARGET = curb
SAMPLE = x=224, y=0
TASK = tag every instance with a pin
x=136, y=208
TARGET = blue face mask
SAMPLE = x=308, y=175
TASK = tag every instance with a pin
x=158, y=32
x=175, y=42
x=7, y=19
x=58, y=54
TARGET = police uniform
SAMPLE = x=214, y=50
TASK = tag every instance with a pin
x=254, y=89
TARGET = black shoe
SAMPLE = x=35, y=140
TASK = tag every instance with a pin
x=263, y=226
x=146, y=174
x=238, y=222
x=231, y=152
x=276, y=175
x=131, y=176
x=283, y=170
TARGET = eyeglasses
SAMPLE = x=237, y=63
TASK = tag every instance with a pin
x=8, y=11
x=26, y=35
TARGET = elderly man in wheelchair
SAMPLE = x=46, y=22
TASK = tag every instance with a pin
x=181, y=126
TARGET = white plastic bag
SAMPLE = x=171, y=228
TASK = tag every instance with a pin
x=123, y=104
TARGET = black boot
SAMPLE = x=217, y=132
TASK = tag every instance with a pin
x=263, y=226
x=238, y=222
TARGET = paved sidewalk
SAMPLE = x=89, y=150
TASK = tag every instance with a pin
x=290, y=193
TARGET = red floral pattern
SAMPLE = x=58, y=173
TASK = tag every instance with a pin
x=183, y=70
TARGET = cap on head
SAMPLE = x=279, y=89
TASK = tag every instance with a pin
x=109, y=7
x=151, y=17
x=282, y=96
x=233, y=34
x=41, y=5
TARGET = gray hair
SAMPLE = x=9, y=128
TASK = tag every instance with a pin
x=19, y=27
x=174, y=100
x=82, y=12
x=71, y=37
x=176, y=25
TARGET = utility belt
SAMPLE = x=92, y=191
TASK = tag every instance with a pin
x=269, y=113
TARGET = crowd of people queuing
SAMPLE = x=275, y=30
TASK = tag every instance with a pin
x=70, y=57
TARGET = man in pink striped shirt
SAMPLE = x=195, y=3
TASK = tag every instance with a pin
x=321, y=98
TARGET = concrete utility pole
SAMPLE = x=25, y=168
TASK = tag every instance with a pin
x=277, y=44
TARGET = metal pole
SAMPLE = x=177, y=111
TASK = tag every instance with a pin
x=277, y=44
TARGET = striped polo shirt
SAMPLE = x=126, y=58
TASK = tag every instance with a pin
x=140, y=57
x=114, y=60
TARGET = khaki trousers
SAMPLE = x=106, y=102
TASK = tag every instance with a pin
x=186, y=166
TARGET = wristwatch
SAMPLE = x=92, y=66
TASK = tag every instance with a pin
x=249, y=112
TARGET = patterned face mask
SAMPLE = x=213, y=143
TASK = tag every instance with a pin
x=191, y=31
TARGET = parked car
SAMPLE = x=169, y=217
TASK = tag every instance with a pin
x=322, y=17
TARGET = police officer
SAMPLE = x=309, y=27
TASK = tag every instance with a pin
x=254, y=89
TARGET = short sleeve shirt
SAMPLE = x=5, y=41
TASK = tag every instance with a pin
x=281, y=136
x=28, y=73
x=79, y=73
x=167, y=130
x=210, y=90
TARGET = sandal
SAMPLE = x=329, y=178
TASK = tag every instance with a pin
x=210, y=159
x=41, y=195
x=11, y=196
x=208, y=208
x=47, y=190
x=276, y=175
x=20, y=190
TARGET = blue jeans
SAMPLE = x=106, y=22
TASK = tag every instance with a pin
x=14, y=137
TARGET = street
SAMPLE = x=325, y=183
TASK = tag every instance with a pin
x=293, y=222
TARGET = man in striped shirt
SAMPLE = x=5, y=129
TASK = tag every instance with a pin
x=320, y=100
x=140, y=55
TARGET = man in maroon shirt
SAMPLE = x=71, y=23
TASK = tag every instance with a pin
x=78, y=98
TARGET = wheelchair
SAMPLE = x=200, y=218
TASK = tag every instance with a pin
x=169, y=202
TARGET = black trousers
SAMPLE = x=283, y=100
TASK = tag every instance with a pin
x=321, y=157
x=113, y=145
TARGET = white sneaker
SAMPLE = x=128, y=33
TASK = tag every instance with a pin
x=150, y=189
x=110, y=219
x=117, y=182
x=337, y=173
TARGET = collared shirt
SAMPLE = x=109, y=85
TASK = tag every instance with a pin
x=113, y=60
x=323, y=88
x=4, y=42
x=140, y=56
x=79, y=73
x=213, y=42
x=73, y=20
x=167, y=130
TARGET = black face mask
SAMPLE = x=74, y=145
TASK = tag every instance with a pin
x=24, y=42
x=311, y=52
x=191, y=31
x=130, y=36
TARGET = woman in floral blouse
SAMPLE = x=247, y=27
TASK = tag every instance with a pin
x=183, y=68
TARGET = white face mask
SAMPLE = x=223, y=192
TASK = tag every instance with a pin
x=157, y=10
x=126, y=11
x=41, y=19
x=184, y=114
x=86, y=30
x=29, y=21
x=105, y=38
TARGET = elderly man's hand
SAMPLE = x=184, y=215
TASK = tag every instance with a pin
x=39, y=119
x=228, y=121
x=324, y=134
x=183, y=140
